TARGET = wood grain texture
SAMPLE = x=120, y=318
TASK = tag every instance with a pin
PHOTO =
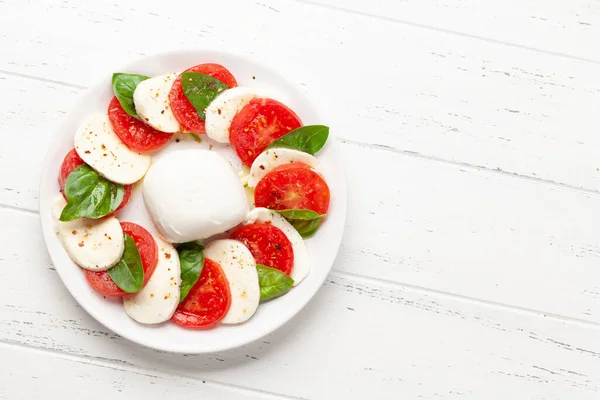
x=449, y=228
x=357, y=338
x=571, y=28
x=437, y=95
x=32, y=374
x=474, y=185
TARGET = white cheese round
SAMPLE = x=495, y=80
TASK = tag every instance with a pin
x=100, y=147
x=193, y=194
x=159, y=299
x=239, y=267
x=272, y=158
x=223, y=108
x=151, y=100
x=93, y=244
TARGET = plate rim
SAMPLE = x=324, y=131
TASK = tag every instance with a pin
x=49, y=233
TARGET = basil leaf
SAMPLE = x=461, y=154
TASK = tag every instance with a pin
x=302, y=214
x=201, y=90
x=124, y=85
x=128, y=274
x=89, y=195
x=309, y=139
x=306, y=229
x=195, y=137
x=306, y=222
x=191, y=258
x=273, y=283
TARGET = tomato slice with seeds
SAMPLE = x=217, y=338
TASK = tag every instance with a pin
x=258, y=124
x=183, y=110
x=72, y=161
x=208, y=301
x=268, y=244
x=148, y=249
x=134, y=133
x=293, y=186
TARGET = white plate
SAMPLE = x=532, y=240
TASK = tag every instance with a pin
x=322, y=248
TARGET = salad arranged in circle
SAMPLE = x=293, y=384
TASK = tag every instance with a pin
x=225, y=241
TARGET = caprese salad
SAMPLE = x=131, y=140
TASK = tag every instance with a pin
x=225, y=240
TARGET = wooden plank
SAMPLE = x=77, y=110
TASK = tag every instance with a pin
x=31, y=374
x=26, y=127
x=439, y=95
x=473, y=233
x=357, y=338
x=448, y=228
x=570, y=28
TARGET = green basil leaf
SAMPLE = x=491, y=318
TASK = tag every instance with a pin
x=195, y=137
x=306, y=229
x=309, y=139
x=191, y=258
x=89, y=195
x=201, y=90
x=123, y=86
x=128, y=274
x=306, y=222
x=273, y=283
x=302, y=214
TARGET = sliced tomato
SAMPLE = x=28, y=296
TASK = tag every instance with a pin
x=258, y=124
x=293, y=186
x=268, y=244
x=183, y=110
x=72, y=161
x=148, y=249
x=134, y=133
x=208, y=301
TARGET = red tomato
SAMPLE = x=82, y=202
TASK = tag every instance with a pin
x=134, y=133
x=148, y=249
x=72, y=161
x=257, y=125
x=293, y=186
x=208, y=301
x=183, y=110
x=268, y=244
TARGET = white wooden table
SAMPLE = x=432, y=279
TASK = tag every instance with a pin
x=470, y=267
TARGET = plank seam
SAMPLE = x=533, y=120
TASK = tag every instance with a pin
x=448, y=31
x=381, y=147
x=119, y=365
x=19, y=209
x=486, y=303
x=425, y=290
x=461, y=165
x=42, y=79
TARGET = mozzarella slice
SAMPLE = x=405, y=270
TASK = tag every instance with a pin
x=151, y=100
x=301, y=263
x=271, y=158
x=240, y=269
x=96, y=245
x=221, y=110
x=159, y=299
x=99, y=146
